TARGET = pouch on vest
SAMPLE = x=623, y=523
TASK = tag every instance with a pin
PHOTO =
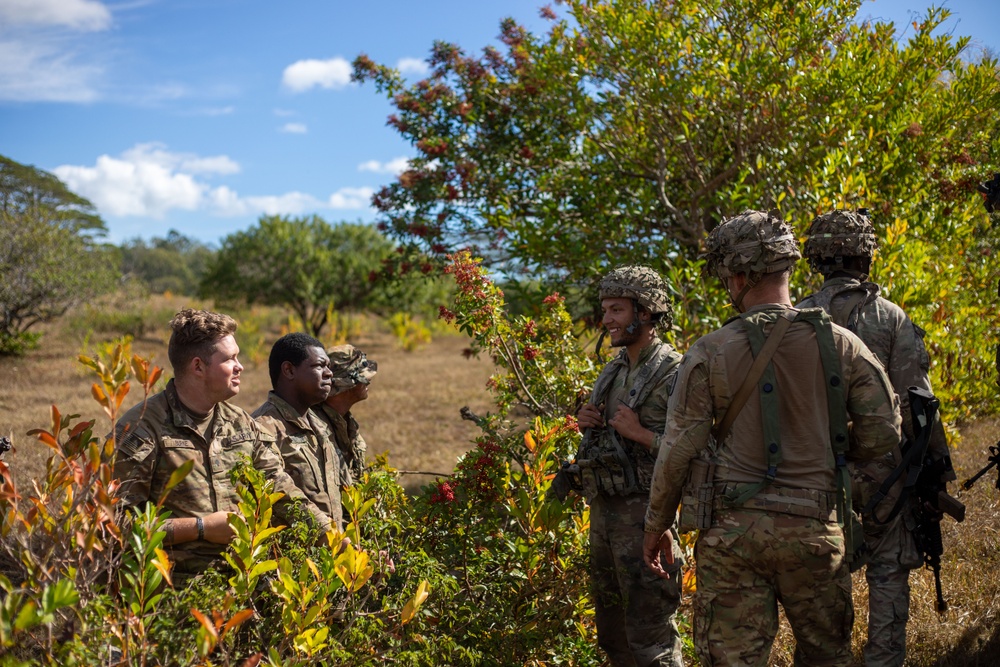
x=698, y=496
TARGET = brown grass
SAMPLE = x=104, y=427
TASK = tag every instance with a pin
x=412, y=412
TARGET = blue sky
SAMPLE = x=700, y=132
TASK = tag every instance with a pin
x=201, y=115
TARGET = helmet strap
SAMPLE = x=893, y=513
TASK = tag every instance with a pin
x=633, y=328
x=737, y=301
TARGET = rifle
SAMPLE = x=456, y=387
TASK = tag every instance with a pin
x=932, y=496
x=924, y=475
x=994, y=460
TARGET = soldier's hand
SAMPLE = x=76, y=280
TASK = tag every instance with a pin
x=626, y=423
x=217, y=529
x=590, y=416
x=653, y=547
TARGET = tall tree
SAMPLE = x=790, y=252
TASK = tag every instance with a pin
x=174, y=262
x=305, y=264
x=633, y=127
x=50, y=257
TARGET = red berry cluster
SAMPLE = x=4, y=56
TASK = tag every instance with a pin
x=443, y=494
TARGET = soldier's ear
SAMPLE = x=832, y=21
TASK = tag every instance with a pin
x=287, y=370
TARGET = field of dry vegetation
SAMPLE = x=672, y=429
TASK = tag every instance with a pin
x=413, y=414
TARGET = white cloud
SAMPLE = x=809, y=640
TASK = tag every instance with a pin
x=351, y=198
x=283, y=113
x=122, y=187
x=83, y=15
x=41, y=70
x=305, y=74
x=294, y=128
x=148, y=180
x=157, y=153
x=412, y=66
x=395, y=166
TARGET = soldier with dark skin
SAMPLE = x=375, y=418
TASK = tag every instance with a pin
x=779, y=485
x=300, y=379
x=623, y=425
x=191, y=420
x=840, y=245
x=352, y=375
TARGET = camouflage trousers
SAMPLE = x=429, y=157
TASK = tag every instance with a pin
x=893, y=555
x=634, y=609
x=748, y=561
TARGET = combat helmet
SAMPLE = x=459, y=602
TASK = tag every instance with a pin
x=836, y=235
x=350, y=367
x=753, y=243
x=644, y=286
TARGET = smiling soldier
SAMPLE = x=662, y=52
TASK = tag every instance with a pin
x=623, y=424
x=301, y=378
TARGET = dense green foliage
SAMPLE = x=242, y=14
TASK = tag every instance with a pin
x=632, y=128
x=50, y=257
x=174, y=263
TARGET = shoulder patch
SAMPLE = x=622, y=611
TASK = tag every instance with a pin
x=134, y=442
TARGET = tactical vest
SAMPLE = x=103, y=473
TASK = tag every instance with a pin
x=610, y=464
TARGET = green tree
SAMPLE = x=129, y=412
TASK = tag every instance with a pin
x=50, y=258
x=175, y=262
x=305, y=264
x=632, y=128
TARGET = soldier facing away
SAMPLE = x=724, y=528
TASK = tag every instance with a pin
x=777, y=485
x=840, y=245
x=190, y=420
x=623, y=426
x=300, y=378
x=352, y=376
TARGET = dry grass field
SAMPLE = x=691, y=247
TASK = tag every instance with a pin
x=413, y=414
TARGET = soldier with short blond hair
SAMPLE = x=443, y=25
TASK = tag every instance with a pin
x=191, y=420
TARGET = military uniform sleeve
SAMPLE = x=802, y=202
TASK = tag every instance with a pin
x=267, y=459
x=689, y=422
x=654, y=412
x=909, y=366
x=135, y=462
x=872, y=406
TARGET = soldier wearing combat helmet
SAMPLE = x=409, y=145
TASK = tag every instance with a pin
x=623, y=427
x=766, y=400
x=840, y=245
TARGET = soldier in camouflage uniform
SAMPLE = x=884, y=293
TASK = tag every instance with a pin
x=623, y=426
x=352, y=376
x=191, y=421
x=301, y=378
x=840, y=245
x=774, y=532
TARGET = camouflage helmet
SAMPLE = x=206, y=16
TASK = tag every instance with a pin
x=350, y=367
x=753, y=243
x=642, y=284
x=839, y=234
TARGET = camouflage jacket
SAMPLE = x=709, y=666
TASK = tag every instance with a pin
x=308, y=453
x=711, y=373
x=352, y=446
x=617, y=385
x=898, y=343
x=156, y=437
